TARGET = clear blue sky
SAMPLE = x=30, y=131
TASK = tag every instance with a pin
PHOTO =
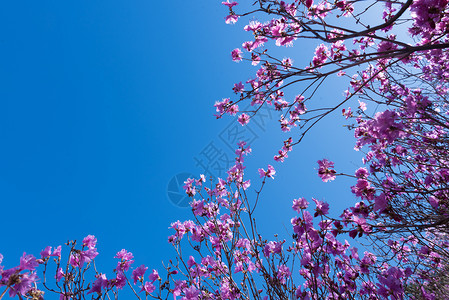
x=103, y=102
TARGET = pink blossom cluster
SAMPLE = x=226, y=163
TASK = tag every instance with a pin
x=403, y=188
x=71, y=278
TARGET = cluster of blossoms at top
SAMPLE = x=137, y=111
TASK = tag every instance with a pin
x=303, y=19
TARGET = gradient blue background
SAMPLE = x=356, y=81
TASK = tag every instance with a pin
x=103, y=102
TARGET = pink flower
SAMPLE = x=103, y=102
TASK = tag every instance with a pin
x=255, y=59
x=361, y=173
x=236, y=55
x=28, y=262
x=380, y=203
x=346, y=112
x=87, y=256
x=201, y=180
x=325, y=170
x=230, y=5
x=188, y=187
x=221, y=106
x=253, y=26
x=233, y=109
x=243, y=119
x=363, y=189
x=321, y=55
x=238, y=87
x=322, y=208
x=125, y=260
x=283, y=273
x=74, y=260
x=57, y=252
x=124, y=255
x=279, y=30
x=386, y=46
x=120, y=280
x=191, y=293
x=269, y=173
x=148, y=287
x=99, y=283
x=46, y=252
x=231, y=19
x=59, y=275
x=246, y=184
x=362, y=105
x=138, y=273
x=287, y=63
x=273, y=248
x=154, y=276
x=191, y=262
x=90, y=241
x=24, y=285
x=299, y=204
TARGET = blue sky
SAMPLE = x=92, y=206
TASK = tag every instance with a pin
x=104, y=102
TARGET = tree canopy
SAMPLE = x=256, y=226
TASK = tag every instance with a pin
x=393, y=56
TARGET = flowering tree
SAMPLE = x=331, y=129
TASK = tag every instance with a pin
x=403, y=208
